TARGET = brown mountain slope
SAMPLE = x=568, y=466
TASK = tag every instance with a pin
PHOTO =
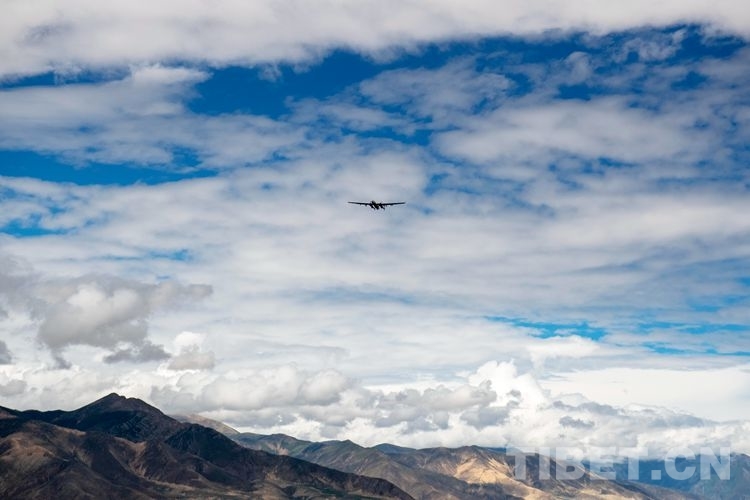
x=443, y=473
x=123, y=448
x=349, y=457
x=41, y=460
x=476, y=465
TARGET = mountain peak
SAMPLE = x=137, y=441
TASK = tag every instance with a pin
x=111, y=397
x=128, y=418
x=114, y=401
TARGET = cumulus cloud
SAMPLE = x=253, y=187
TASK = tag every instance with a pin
x=190, y=356
x=91, y=314
x=281, y=386
x=326, y=404
x=97, y=310
x=438, y=414
x=417, y=408
x=102, y=311
x=323, y=387
x=505, y=380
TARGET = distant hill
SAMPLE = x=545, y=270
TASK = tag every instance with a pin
x=124, y=448
x=476, y=472
x=349, y=457
x=443, y=473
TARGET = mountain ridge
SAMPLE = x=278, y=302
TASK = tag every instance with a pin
x=464, y=464
x=469, y=472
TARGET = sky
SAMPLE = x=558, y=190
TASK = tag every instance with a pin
x=571, y=266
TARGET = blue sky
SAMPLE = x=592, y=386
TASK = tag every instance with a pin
x=174, y=223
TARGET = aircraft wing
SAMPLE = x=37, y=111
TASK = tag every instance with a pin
x=394, y=203
x=358, y=203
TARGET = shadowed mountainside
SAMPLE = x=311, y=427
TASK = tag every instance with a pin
x=124, y=448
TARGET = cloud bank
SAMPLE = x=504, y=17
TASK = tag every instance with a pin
x=496, y=404
x=85, y=33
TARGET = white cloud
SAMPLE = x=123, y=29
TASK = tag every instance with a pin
x=509, y=384
x=251, y=390
x=104, y=312
x=605, y=127
x=572, y=346
x=715, y=393
x=323, y=387
x=298, y=275
x=652, y=47
x=95, y=310
x=140, y=118
x=84, y=33
x=497, y=404
x=192, y=358
x=439, y=94
x=185, y=340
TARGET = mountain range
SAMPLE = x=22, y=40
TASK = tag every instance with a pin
x=120, y=447
x=469, y=472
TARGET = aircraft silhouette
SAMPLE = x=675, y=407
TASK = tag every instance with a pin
x=375, y=205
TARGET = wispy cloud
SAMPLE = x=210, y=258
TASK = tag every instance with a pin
x=139, y=119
